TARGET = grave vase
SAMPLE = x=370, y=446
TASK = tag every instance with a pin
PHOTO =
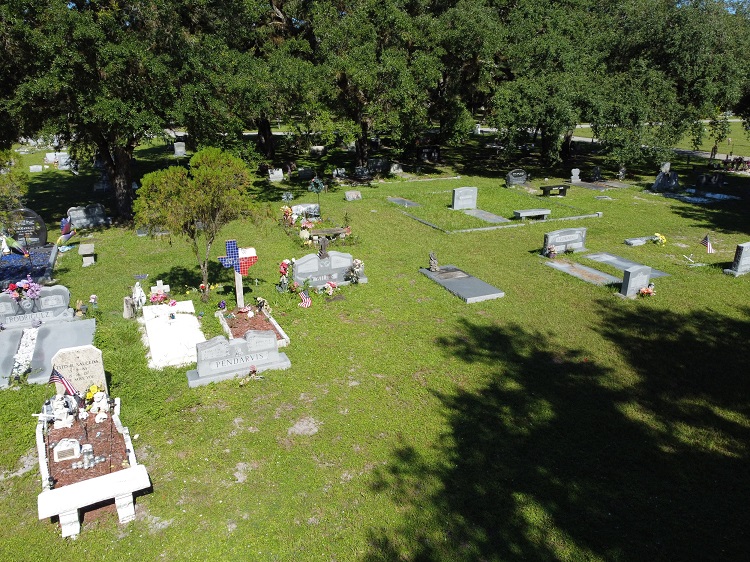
x=28, y=305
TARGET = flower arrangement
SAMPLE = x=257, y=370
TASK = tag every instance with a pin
x=355, y=270
x=160, y=297
x=550, y=251
x=659, y=239
x=329, y=288
x=25, y=289
x=288, y=215
x=647, y=291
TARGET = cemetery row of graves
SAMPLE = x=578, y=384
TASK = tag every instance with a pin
x=396, y=329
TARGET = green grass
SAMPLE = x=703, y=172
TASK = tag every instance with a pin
x=558, y=423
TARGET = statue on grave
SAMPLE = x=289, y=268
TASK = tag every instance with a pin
x=323, y=252
x=139, y=297
x=434, y=262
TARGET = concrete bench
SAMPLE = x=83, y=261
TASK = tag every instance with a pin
x=559, y=190
x=88, y=254
x=532, y=214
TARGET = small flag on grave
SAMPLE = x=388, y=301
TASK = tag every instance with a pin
x=707, y=243
x=306, y=301
x=56, y=377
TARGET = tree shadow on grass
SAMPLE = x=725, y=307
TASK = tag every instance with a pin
x=559, y=457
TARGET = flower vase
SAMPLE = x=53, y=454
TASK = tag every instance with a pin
x=28, y=305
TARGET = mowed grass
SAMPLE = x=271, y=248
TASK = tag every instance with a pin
x=558, y=423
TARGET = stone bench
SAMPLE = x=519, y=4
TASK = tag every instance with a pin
x=88, y=254
x=559, y=190
x=532, y=214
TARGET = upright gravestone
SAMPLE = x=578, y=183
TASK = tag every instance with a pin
x=352, y=195
x=464, y=198
x=275, y=174
x=741, y=262
x=575, y=175
x=90, y=216
x=634, y=279
x=28, y=228
x=220, y=359
x=305, y=173
x=82, y=366
x=179, y=149
x=516, y=177
x=379, y=165
x=50, y=306
x=429, y=154
x=319, y=271
x=565, y=240
x=307, y=210
x=51, y=338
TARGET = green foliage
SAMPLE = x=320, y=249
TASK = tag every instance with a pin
x=13, y=183
x=196, y=203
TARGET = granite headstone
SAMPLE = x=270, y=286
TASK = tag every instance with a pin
x=634, y=279
x=28, y=228
x=51, y=338
x=565, y=240
x=51, y=306
x=320, y=271
x=464, y=198
x=516, y=177
x=741, y=262
x=90, y=216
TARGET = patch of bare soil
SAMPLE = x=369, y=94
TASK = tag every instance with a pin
x=239, y=323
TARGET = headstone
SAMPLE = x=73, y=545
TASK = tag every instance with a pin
x=63, y=161
x=103, y=183
x=160, y=287
x=567, y=239
x=396, y=168
x=741, y=262
x=275, y=174
x=429, y=154
x=362, y=173
x=403, y=202
x=464, y=198
x=596, y=174
x=36, y=168
x=179, y=149
x=305, y=173
x=82, y=366
x=379, y=165
x=352, y=195
x=640, y=241
x=51, y=306
x=220, y=359
x=339, y=172
x=665, y=167
x=28, y=228
x=317, y=150
x=635, y=278
x=307, y=210
x=516, y=177
x=320, y=271
x=575, y=175
x=90, y=216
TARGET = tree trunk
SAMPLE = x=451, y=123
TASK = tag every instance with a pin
x=117, y=161
x=362, y=144
x=265, y=138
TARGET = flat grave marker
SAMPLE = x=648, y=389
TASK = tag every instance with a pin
x=621, y=263
x=588, y=274
x=466, y=287
x=403, y=202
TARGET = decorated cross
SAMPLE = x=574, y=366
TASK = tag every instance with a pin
x=240, y=259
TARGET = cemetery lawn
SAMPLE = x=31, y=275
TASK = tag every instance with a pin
x=557, y=423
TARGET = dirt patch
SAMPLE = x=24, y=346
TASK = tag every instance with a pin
x=305, y=426
x=239, y=323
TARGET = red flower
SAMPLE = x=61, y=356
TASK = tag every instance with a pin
x=12, y=287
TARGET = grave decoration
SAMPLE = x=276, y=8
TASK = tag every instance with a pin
x=336, y=266
x=317, y=186
x=240, y=259
x=66, y=232
x=221, y=359
x=741, y=262
x=86, y=455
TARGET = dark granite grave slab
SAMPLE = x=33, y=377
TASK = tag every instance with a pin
x=588, y=274
x=51, y=338
x=9, y=342
x=464, y=286
x=621, y=263
x=486, y=216
x=403, y=202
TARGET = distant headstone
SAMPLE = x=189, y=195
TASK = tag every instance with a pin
x=179, y=149
x=90, y=216
x=339, y=172
x=567, y=239
x=103, y=183
x=429, y=154
x=596, y=174
x=305, y=173
x=741, y=262
x=36, y=168
x=379, y=165
x=396, y=168
x=640, y=241
x=82, y=366
x=220, y=359
x=320, y=271
x=275, y=174
x=635, y=278
x=516, y=177
x=352, y=195
x=575, y=175
x=361, y=173
x=665, y=167
x=51, y=306
x=307, y=210
x=464, y=198
x=317, y=150
x=28, y=228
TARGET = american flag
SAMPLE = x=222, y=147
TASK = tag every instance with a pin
x=306, y=302
x=56, y=377
x=707, y=243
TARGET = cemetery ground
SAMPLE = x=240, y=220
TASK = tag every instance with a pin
x=558, y=422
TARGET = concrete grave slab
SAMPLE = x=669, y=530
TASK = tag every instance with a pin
x=9, y=342
x=621, y=263
x=486, y=216
x=172, y=341
x=403, y=202
x=464, y=286
x=51, y=338
x=588, y=274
